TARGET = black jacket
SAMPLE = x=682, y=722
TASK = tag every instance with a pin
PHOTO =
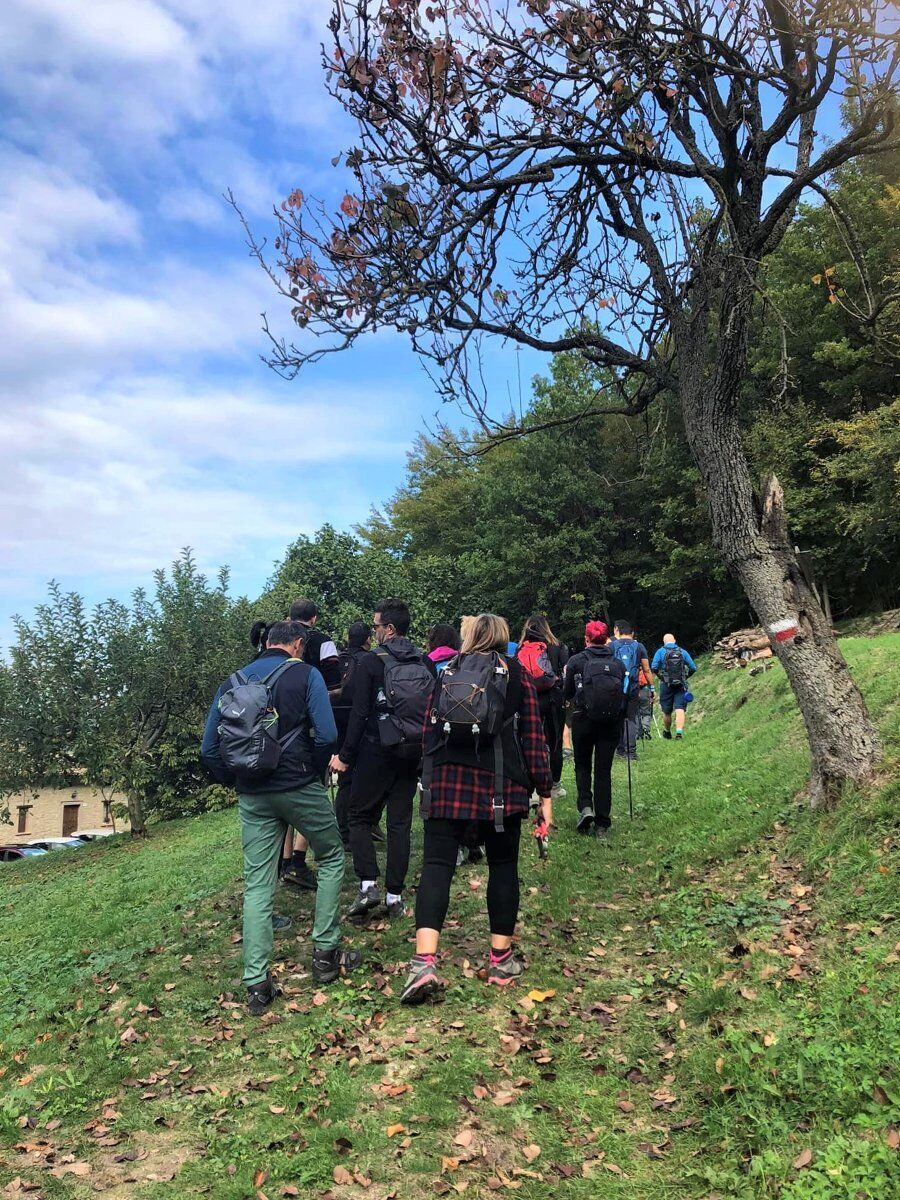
x=363, y=721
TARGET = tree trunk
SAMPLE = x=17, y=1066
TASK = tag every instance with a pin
x=136, y=814
x=751, y=533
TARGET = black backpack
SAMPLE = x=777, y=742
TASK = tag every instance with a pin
x=468, y=709
x=674, y=668
x=347, y=660
x=248, y=724
x=402, y=705
x=599, y=688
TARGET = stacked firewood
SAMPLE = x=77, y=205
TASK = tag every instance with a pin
x=742, y=648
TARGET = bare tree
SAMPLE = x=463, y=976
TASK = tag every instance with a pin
x=605, y=178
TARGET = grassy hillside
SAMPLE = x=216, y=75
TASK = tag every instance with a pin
x=714, y=1010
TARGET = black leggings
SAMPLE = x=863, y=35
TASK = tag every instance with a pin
x=443, y=837
x=553, y=721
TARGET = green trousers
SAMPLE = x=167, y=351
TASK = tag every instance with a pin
x=265, y=818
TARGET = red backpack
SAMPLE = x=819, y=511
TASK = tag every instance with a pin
x=536, y=662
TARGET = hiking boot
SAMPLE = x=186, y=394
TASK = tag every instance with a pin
x=679, y=734
x=280, y=923
x=557, y=791
x=421, y=982
x=260, y=996
x=394, y=909
x=507, y=971
x=476, y=854
x=667, y=734
x=301, y=875
x=585, y=820
x=328, y=964
x=362, y=906
x=602, y=833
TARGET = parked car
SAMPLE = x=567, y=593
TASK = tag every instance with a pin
x=91, y=835
x=11, y=853
x=60, y=843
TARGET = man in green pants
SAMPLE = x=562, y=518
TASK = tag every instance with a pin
x=270, y=733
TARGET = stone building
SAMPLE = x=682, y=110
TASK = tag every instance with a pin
x=58, y=812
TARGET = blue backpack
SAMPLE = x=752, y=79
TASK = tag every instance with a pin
x=629, y=656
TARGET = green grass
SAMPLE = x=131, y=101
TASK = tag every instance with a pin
x=725, y=978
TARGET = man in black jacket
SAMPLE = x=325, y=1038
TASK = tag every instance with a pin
x=381, y=779
x=290, y=795
x=359, y=643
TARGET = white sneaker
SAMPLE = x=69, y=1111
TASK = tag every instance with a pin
x=557, y=791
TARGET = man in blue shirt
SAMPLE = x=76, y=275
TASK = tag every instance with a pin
x=290, y=796
x=632, y=654
x=673, y=666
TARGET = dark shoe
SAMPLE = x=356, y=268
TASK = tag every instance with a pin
x=362, y=906
x=260, y=996
x=476, y=854
x=585, y=820
x=301, y=876
x=602, y=833
x=421, y=982
x=395, y=909
x=679, y=734
x=667, y=734
x=328, y=964
x=377, y=835
x=280, y=923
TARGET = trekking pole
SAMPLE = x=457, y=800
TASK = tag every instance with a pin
x=628, y=760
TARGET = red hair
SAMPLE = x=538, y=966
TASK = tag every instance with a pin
x=596, y=633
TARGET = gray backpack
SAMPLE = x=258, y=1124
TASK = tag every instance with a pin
x=248, y=724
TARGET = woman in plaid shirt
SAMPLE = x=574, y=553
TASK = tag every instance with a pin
x=462, y=793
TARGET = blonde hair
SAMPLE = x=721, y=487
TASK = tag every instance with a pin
x=464, y=623
x=484, y=633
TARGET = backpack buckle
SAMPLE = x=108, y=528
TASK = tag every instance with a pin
x=498, y=813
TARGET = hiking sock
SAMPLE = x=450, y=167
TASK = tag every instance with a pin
x=500, y=956
x=393, y=898
x=428, y=959
x=366, y=884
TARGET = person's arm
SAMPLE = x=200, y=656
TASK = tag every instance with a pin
x=534, y=744
x=691, y=665
x=657, y=660
x=210, y=755
x=364, y=692
x=320, y=711
x=648, y=670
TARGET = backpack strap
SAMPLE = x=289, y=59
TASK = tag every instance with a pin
x=428, y=761
x=269, y=681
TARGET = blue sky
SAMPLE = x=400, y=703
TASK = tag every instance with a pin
x=137, y=415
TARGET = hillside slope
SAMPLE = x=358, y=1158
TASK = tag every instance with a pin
x=715, y=1012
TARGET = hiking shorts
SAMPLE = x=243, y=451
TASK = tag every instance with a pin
x=671, y=698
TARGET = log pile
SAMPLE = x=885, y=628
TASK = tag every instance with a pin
x=742, y=648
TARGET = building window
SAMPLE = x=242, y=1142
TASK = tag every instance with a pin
x=24, y=810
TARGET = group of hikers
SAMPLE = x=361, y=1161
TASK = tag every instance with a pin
x=476, y=725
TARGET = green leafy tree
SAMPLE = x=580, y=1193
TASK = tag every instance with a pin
x=117, y=699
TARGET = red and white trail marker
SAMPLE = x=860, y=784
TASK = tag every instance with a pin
x=784, y=631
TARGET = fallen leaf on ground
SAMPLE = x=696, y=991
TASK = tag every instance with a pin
x=393, y=1130
x=538, y=996
x=803, y=1159
x=464, y=1138
x=531, y=1152
x=341, y=1175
